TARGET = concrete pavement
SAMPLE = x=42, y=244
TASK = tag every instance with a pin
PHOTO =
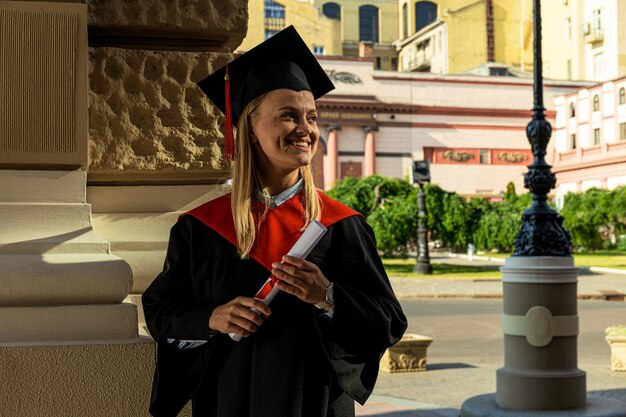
x=594, y=283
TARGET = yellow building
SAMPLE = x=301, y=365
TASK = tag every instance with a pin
x=352, y=28
x=268, y=17
x=455, y=36
x=368, y=28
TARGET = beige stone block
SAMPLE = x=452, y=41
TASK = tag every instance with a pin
x=43, y=186
x=43, y=84
x=81, y=380
x=68, y=323
x=150, y=199
x=408, y=355
x=36, y=280
x=618, y=352
x=137, y=222
x=203, y=23
x=148, y=120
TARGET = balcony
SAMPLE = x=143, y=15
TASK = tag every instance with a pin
x=594, y=36
x=420, y=63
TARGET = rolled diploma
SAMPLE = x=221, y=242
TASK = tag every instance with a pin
x=301, y=249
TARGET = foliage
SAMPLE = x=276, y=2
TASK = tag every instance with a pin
x=365, y=194
x=500, y=223
x=596, y=219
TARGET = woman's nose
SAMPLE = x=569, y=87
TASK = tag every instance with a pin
x=304, y=127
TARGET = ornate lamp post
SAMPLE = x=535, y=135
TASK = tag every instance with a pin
x=540, y=376
x=420, y=176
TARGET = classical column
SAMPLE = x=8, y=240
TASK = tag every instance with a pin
x=369, y=165
x=122, y=94
x=330, y=159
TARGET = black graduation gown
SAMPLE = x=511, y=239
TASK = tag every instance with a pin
x=300, y=363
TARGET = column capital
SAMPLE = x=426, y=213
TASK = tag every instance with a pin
x=368, y=129
x=333, y=128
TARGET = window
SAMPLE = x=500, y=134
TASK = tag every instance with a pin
x=484, y=156
x=572, y=110
x=425, y=13
x=597, y=21
x=572, y=141
x=368, y=23
x=568, y=27
x=596, y=102
x=598, y=63
x=318, y=50
x=570, y=74
x=622, y=131
x=622, y=96
x=405, y=20
x=377, y=65
x=394, y=64
x=274, y=18
x=332, y=10
x=596, y=136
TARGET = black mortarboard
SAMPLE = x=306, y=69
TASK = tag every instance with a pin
x=282, y=61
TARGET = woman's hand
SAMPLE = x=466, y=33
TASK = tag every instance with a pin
x=301, y=278
x=237, y=317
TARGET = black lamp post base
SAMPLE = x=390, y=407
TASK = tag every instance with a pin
x=423, y=268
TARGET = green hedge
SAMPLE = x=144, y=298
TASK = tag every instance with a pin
x=595, y=219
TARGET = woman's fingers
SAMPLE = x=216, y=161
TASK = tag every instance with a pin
x=238, y=316
x=301, y=278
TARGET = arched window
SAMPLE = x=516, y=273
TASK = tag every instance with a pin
x=622, y=96
x=405, y=20
x=572, y=110
x=596, y=102
x=368, y=23
x=425, y=13
x=332, y=10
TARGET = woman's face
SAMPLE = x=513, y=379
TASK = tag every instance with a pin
x=284, y=133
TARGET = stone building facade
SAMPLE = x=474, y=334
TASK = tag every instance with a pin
x=471, y=128
x=104, y=140
x=590, y=138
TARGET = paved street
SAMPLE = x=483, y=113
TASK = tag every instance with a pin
x=463, y=317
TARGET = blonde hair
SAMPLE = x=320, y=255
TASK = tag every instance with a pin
x=246, y=176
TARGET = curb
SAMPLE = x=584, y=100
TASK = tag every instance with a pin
x=584, y=296
x=501, y=261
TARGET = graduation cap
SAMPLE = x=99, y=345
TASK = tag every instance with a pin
x=282, y=61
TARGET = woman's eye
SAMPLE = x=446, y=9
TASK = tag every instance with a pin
x=289, y=115
x=312, y=118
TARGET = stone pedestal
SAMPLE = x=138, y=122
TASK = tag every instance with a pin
x=408, y=355
x=137, y=221
x=540, y=377
x=486, y=406
x=59, y=280
x=540, y=324
x=618, y=352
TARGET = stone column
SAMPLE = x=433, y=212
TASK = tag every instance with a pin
x=540, y=325
x=65, y=330
x=60, y=282
x=331, y=157
x=369, y=166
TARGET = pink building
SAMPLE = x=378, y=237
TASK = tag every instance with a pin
x=589, y=138
x=471, y=128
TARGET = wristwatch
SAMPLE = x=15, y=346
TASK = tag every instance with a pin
x=329, y=301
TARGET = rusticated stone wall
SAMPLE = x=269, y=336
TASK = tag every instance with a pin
x=146, y=112
x=224, y=21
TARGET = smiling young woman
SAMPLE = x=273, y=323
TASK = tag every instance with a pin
x=318, y=349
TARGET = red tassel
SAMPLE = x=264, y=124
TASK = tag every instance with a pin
x=229, y=141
